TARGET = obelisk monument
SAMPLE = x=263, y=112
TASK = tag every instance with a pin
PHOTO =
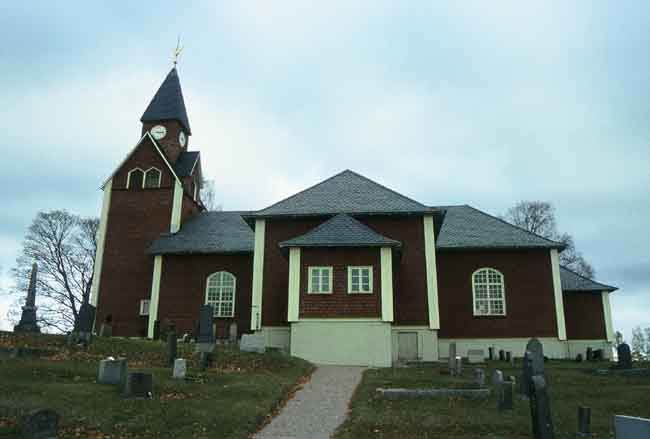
x=28, y=318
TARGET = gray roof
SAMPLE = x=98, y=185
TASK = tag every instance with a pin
x=341, y=231
x=572, y=281
x=465, y=227
x=168, y=103
x=208, y=232
x=346, y=192
x=185, y=163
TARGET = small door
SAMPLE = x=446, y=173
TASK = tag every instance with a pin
x=407, y=346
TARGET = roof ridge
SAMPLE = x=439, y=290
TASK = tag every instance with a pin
x=514, y=225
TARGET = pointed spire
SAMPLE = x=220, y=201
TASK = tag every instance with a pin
x=168, y=103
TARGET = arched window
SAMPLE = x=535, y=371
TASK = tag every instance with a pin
x=489, y=292
x=134, y=179
x=220, y=293
x=152, y=178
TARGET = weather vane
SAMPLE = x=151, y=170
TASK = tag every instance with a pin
x=177, y=51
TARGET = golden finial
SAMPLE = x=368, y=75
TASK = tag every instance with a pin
x=177, y=51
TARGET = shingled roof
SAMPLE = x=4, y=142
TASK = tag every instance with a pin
x=341, y=231
x=185, y=163
x=168, y=103
x=208, y=232
x=465, y=227
x=346, y=192
x=572, y=281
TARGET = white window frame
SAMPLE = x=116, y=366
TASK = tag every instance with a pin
x=489, y=299
x=310, y=286
x=370, y=279
x=216, y=304
x=128, y=176
x=144, y=179
x=144, y=307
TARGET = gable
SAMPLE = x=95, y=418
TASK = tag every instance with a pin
x=145, y=149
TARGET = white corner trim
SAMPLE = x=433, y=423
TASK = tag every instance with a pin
x=559, y=300
x=386, y=257
x=101, y=240
x=258, y=275
x=293, y=311
x=432, y=274
x=155, y=294
x=177, y=207
x=607, y=313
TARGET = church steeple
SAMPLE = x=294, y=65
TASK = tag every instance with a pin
x=166, y=118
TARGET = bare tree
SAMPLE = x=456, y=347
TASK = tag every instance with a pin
x=539, y=217
x=638, y=347
x=63, y=245
x=209, y=195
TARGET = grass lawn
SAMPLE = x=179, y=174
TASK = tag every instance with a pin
x=570, y=385
x=229, y=401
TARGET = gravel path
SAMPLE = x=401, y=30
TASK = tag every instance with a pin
x=318, y=408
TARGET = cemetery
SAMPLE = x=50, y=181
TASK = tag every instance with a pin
x=131, y=388
x=529, y=397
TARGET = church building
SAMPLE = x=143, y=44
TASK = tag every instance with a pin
x=345, y=272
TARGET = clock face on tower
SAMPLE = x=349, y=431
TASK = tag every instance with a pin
x=182, y=139
x=158, y=132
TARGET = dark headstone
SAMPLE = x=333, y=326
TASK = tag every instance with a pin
x=508, y=356
x=112, y=371
x=86, y=318
x=624, y=356
x=505, y=396
x=41, y=424
x=156, y=330
x=491, y=353
x=526, y=375
x=27, y=321
x=536, y=350
x=584, y=421
x=590, y=354
x=502, y=355
x=206, y=335
x=138, y=385
x=452, y=357
x=172, y=351
x=598, y=354
x=540, y=409
x=479, y=374
x=458, y=366
x=579, y=358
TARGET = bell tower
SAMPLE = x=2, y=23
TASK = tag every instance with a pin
x=166, y=118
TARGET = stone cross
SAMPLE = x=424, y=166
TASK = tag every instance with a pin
x=624, y=356
x=28, y=317
x=540, y=409
x=452, y=357
x=41, y=424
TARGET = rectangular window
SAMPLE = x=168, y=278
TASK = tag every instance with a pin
x=320, y=280
x=360, y=280
x=144, y=307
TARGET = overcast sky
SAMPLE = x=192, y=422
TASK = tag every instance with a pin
x=484, y=103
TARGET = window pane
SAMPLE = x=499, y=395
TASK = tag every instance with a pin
x=152, y=178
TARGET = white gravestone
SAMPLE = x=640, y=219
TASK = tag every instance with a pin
x=180, y=368
x=253, y=343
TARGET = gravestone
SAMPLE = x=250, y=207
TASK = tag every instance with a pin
x=205, y=338
x=497, y=377
x=84, y=324
x=505, y=395
x=508, y=356
x=584, y=421
x=112, y=371
x=536, y=350
x=590, y=354
x=452, y=357
x=232, y=332
x=172, y=351
x=479, y=375
x=502, y=355
x=598, y=354
x=458, y=366
x=180, y=368
x=526, y=375
x=579, y=358
x=27, y=321
x=138, y=385
x=475, y=356
x=41, y=424
x=185, y=338
x=253, y=343
x=624, y=356
x=205, y=359
x=491, y=353
x=540, y=409
x=629, y=427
